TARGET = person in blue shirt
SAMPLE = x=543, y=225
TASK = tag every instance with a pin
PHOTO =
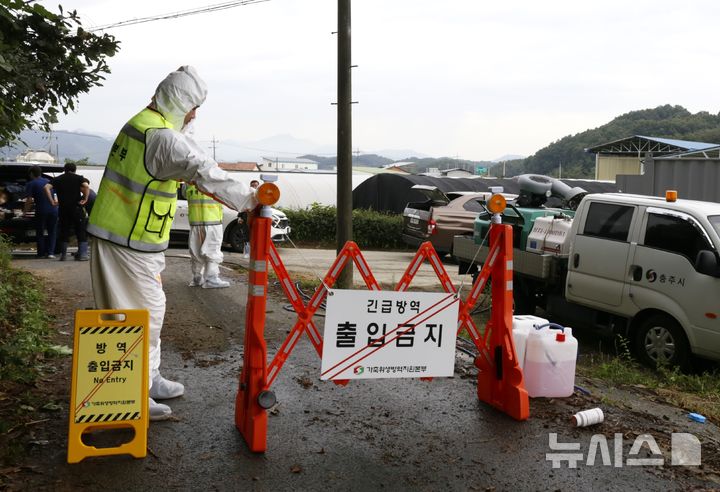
x=46, y=214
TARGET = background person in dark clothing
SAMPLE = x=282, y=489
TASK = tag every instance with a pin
x=87, y=208
x=46, y=214
x=90, y=196
x=71, y=191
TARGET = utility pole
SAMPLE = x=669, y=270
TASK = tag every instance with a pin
x=357, y=154
x=213, y=142
x=344, y=140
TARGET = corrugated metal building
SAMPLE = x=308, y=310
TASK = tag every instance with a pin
x=694, y=175
x=625, y=156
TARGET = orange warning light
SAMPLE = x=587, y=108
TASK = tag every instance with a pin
x=670, y=195
x=268, y=194
x=496, y=204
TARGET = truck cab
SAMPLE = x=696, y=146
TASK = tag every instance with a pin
x=654, y=262
x=641, y=266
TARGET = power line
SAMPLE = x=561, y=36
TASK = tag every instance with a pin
x=175, y=15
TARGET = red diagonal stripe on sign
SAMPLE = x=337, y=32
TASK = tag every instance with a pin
x=98, y=385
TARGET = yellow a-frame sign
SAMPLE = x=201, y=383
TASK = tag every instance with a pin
x=109, y=380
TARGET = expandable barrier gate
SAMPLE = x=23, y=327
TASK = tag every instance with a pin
x=500, y=379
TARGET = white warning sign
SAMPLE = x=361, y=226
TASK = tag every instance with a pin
x=388, y=334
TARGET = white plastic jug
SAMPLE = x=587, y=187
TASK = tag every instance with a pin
x=521, y=327
x=556, y=241
x=549, y=369
x=538, y=234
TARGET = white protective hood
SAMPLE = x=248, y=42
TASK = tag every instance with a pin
x=178, y=93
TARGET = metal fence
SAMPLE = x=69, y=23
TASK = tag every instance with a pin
x=695, y=179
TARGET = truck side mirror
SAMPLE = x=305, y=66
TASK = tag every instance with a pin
x=706, y=263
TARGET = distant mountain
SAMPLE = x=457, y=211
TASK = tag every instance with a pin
x=289, y=146
x=255, y=150
x=399, y=154
x=366, y=160
x=423, y=165
x=82, y=131
x=80, y=144
x=663, y=121
x=63, y=144
x=509, y=157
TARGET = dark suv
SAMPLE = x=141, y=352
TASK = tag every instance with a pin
x=14, y=222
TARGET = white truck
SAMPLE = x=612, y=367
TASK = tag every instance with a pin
x=641, y=266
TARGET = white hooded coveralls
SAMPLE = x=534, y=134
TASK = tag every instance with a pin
x=123, y=278
x=205, y=246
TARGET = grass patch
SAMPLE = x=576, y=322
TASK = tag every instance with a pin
x=24, y=347
x=24, y=323
x=695, y=392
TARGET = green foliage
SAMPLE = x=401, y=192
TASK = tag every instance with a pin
x=706, y=384
x=5, y=253
x=85, y=161
x=23, y=321
x=664, y=121
x=317, y=224
x=695, y=392
x=423, y=165
x=377, y=230
x=46, y=61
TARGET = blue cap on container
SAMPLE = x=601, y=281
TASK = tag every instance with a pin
x=697, y=417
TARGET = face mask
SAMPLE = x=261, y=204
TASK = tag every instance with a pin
x=189, y=128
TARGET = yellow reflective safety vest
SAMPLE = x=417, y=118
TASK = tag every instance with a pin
x=202, y=210
x=132, y=207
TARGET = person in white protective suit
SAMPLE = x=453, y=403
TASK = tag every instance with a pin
x=135, y=206
x=205, y=241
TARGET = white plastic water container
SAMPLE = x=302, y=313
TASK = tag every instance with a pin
x=549, y=236
x=549, y=369
x=538, y=235
x=556, y=242
x=522, y=325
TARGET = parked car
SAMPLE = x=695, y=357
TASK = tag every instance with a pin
x=14, y=221
x=235, y=233
x=441, y=217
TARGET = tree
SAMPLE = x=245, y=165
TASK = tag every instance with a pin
x=663, y=121
x=46, y=61
x=85, y=161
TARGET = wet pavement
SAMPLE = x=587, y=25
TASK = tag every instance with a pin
x=401, y=434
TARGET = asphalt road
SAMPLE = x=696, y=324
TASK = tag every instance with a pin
x=371, y=435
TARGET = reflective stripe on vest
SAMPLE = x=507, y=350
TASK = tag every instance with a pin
x=133, y=208
x=202, y=210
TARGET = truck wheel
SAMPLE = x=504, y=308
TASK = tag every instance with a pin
x=660, y=340
x=523, y=296
x=441, y=254
x=524, y=302
x=236, y=236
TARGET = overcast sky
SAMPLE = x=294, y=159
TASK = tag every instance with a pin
x=465, y=78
